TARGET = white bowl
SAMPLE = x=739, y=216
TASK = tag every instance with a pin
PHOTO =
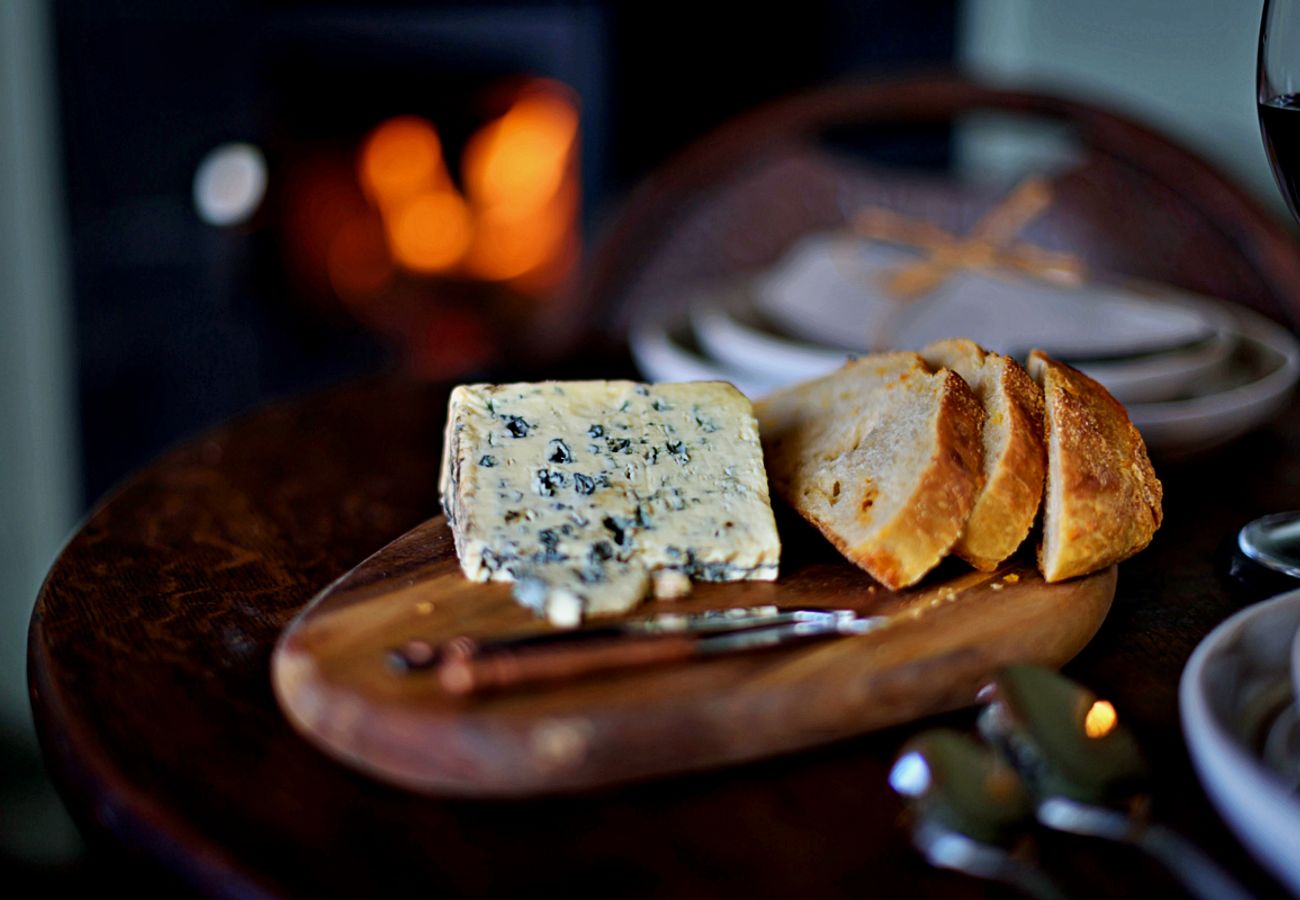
x=1234, y=676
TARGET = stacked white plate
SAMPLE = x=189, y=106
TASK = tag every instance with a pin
x=1240, y=702
x=1193, y=372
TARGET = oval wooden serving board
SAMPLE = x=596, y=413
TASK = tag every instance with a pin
x=332, y=678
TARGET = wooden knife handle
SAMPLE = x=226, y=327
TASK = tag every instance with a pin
x=463, y=675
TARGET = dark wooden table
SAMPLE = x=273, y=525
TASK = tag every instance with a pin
x=149, y=653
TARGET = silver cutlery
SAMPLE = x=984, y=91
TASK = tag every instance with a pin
x=969, y=811
x=466, y=665
x=1085, y=773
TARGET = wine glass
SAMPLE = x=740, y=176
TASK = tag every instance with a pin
x=1278, y=94
x=1273, y=542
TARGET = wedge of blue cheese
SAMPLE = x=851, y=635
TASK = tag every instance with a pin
x=589, y=494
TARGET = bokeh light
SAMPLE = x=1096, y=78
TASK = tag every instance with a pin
x=400, y=158
x=229, y=184
x=430, y=232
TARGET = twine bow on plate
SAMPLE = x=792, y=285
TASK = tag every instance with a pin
x=991, y=244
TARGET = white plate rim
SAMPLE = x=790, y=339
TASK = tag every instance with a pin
x=655, y=352
x=729, y=340
x=1256, y=327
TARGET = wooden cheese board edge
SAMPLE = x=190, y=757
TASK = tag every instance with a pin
x=467, y=759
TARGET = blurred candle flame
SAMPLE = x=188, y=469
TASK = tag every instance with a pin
x=1100, y=720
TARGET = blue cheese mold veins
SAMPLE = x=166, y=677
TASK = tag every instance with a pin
x=581, y=492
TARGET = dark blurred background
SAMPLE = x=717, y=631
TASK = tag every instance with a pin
x=205, y=205
x=180, y=323
x=225, y=232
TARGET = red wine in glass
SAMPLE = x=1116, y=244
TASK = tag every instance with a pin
x=1278, y=95
x=1279, y=120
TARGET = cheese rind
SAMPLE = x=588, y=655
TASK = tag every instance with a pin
x=579, y=491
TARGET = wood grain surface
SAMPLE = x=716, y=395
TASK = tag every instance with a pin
x=149, y=669
x=944, y=640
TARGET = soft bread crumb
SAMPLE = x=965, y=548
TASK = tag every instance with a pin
x=882, y=456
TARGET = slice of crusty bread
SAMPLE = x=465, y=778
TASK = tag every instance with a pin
x=1102, y=502
x=1014, y=457
x=883, y=456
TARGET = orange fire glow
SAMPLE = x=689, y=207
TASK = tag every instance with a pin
x=507, y=245
x=516, y=164
x=516, y=223
x=1100, y=720
x=401, y=157
x=358, y=262
x=430, y=231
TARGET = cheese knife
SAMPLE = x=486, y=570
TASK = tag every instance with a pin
x=465, y=665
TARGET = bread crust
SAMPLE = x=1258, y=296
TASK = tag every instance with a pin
x=1015, y=457
x=900, y=551
x=1103, y=497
